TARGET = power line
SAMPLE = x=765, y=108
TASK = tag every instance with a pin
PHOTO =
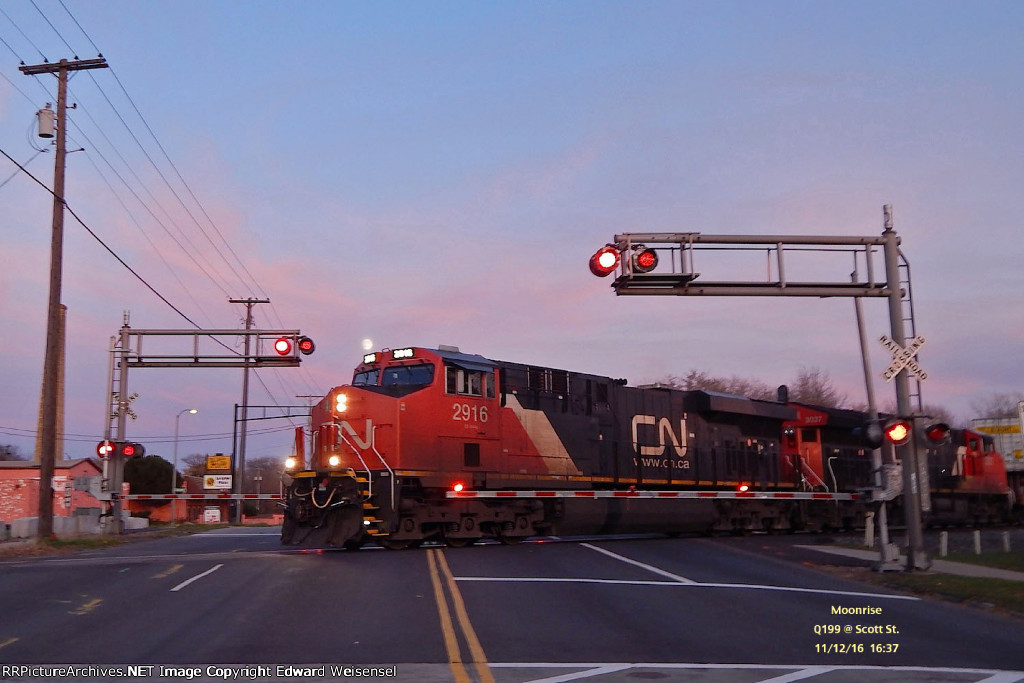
x=59, y=35
x=104, y=244
x=87, y=36
x=15, y=25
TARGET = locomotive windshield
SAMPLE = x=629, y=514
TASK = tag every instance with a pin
x=363, y=379
x=406, y=375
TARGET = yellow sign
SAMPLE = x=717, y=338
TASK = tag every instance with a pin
x=218, y=463
x=1000, y=429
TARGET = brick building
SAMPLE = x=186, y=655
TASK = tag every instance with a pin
x=19, y=488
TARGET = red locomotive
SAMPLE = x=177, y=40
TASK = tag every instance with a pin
x=438, y=444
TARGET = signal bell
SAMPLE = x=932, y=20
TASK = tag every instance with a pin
x=604, y=261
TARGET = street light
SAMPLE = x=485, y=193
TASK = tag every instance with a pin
x=174, y=470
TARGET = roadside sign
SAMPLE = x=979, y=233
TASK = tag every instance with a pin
x=903, y=357
x=218, y=463
x=217, y=481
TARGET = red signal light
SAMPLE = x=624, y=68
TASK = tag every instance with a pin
x=104, y=449
x=898, y=431
x=604, y=261
x=743, y=488
x=283, y=346
x=306, y=346
x=458, y=487
x=645, y=260
x=937, y=432
x=128, y=450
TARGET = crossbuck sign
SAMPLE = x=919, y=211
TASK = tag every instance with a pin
x=903, y=357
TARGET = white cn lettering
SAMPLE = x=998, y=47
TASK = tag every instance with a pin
x=664, y=430
x=362, y=443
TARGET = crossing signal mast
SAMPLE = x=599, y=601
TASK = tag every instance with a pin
x=663, y=264
x=170, y=348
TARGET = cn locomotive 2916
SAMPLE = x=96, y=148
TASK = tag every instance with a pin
x=448, y=446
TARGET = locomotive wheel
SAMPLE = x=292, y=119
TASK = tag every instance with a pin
x=393, y=545
x=460, y=542
x=511, y=540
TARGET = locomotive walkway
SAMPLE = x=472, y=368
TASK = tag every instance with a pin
x=941, y=566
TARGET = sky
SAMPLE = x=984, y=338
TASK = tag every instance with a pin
x=440, y=173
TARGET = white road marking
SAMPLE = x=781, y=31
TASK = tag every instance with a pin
x=589, y=673
x=679, y=584
x=662, y=572
x=810, y=672
x=196, y=578
x=543, y=579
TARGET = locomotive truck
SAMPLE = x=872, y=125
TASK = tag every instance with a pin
x=436, y=444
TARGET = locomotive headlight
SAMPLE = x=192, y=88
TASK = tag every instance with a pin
x=291, y=463
x=334, y=461
x=340, y=403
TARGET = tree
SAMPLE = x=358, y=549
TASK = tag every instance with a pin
x=148, y=474
x=10, y=452
x=195, y=465
x=814, y=386
x=997, y=405
x=696, y=380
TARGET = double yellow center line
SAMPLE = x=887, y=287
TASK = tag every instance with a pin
x=438, y=569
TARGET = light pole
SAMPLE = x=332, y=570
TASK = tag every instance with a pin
x=174, y=470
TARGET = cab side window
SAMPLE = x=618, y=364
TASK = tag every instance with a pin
x=462, y=382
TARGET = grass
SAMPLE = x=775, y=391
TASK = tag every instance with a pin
x=50, y=546
x=997, y=594
x=1014, y=561
x=994, y=594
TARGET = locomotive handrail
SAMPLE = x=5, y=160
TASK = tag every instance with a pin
x=806, y=469
x=831, y=471
x=369, y=476
x=391, y=472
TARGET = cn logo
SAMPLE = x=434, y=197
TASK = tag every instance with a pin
x=664, y=428
x=363, y=444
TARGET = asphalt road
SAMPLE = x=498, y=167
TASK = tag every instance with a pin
x=219, y=604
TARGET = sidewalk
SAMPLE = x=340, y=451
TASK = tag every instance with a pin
x=942, y=566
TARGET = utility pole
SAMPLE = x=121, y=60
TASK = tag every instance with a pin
x=50, y=398
x=240, y=460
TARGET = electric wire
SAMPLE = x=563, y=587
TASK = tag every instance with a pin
x=220, y=285
x=241, y=280
x=59, y=35
x=103, y=244
x=87, y=36
x=163, y=438
x=156, y=168
x=29, y=40
x=30, y=160
x=158, y=250
x=259, y=289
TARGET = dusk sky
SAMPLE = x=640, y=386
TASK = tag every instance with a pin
x=440, y=172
